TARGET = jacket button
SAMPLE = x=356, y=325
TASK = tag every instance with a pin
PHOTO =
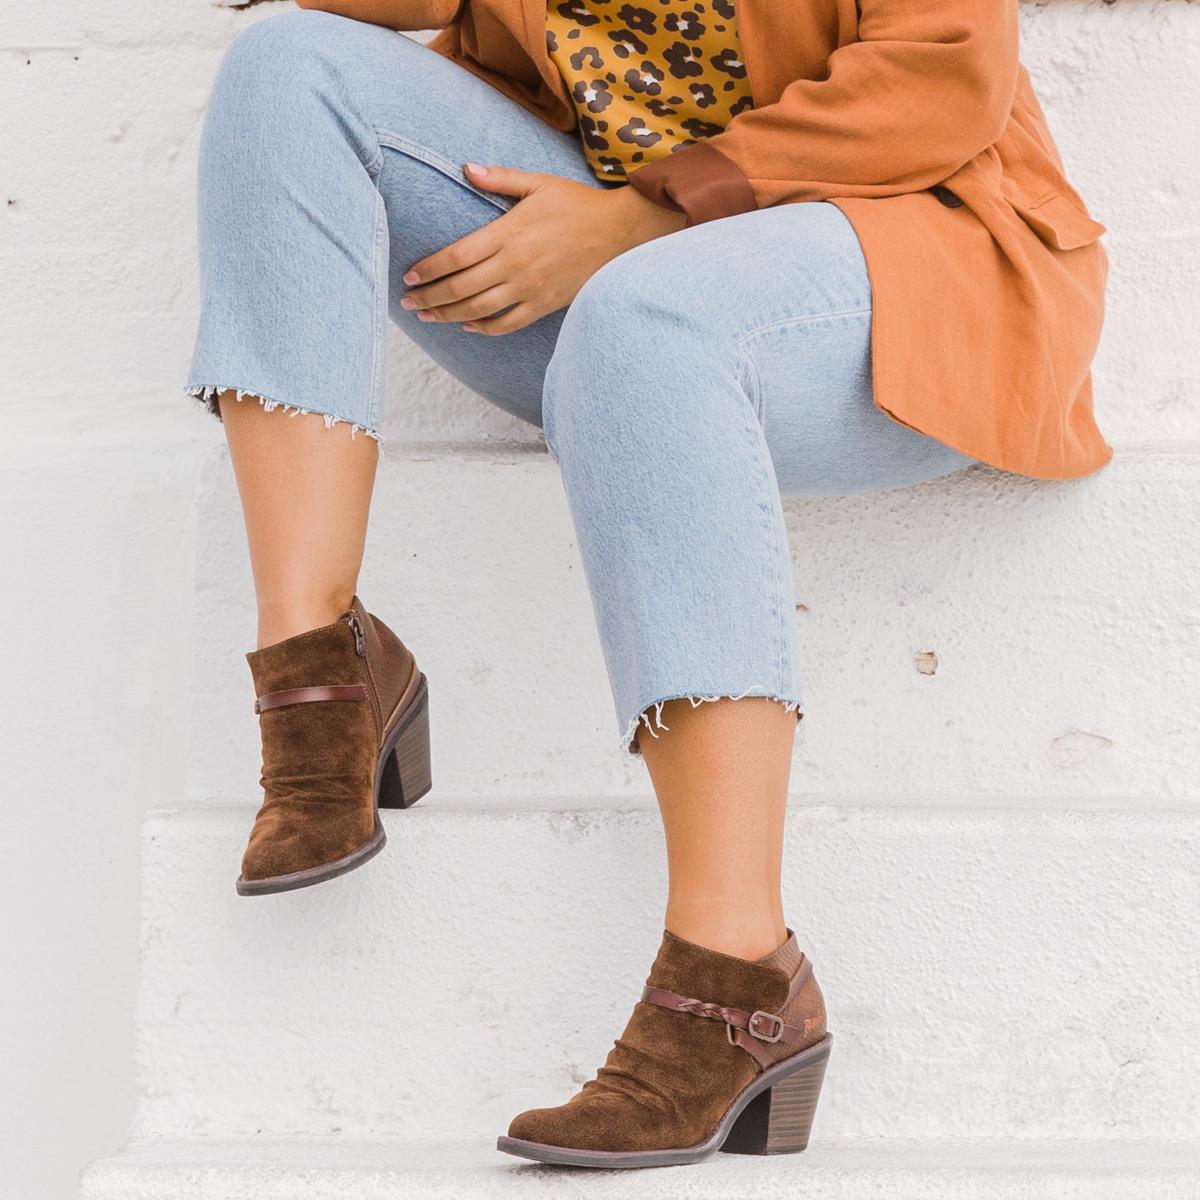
x=946, y=196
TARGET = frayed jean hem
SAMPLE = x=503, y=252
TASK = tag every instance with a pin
x=207, y=394
x=629, y=739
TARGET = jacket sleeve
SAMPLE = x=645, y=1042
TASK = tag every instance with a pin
x=928, y=86
x=395, y=14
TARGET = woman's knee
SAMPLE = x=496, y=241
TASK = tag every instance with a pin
x=300, y=51
x=627, y=347
x=282, y=47
x=578, y=390
x=286, y=83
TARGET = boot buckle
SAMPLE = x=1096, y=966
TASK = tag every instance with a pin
x=765, y=1026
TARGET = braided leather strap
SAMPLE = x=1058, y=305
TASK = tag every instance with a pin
x=766, y=1027
x=310, y=695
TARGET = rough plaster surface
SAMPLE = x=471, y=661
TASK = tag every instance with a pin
x=989, y=973
x=1061, y=617
x=316, y=1169
x=911, y=690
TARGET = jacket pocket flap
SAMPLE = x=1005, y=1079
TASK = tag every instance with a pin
x=1059, y=222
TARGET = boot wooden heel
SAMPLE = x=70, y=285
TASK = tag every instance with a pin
x=406, y=771
x=779, y=1120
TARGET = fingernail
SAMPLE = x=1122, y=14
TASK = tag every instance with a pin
x=412, y=277
x=425, y=315
x=476, y=169
x=408, y=302
x=471, y=328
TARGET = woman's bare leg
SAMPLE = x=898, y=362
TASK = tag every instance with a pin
x=721, y=772
x=306, y=494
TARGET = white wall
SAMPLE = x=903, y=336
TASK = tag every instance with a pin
x=101, y=461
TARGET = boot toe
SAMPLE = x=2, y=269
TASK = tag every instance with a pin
x=593, y=1126
x=556, y=1127
x=532, y=1126
x=304, y=849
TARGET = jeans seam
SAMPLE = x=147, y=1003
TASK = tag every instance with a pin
x=757, y=438
x=807, y=319
x=753, y=385
x=452, y=171
x=379, y=298
x=758, y=400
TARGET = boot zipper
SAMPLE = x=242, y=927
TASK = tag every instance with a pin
x=360, y=648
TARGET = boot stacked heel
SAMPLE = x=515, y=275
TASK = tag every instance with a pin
x=779, y=1120
x=406, y=771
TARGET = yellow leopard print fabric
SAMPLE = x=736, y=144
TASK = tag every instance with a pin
x=648, y=78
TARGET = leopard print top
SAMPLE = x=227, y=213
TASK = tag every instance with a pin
x=649, y=78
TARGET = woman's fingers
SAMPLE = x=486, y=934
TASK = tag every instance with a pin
x=509, y=181
x=474, y=248
x=516, y=318
x=455, y=288
x=482, y=304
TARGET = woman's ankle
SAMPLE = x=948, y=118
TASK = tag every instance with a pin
x=282, y=617
x=741, y=930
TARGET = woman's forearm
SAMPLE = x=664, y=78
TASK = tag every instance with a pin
x=395, y=14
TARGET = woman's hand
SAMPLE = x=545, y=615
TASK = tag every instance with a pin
x=536, y=256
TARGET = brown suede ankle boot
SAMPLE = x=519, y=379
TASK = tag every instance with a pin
x=721, y=1053
x=344, y=716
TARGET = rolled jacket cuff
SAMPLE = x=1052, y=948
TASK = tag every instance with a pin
x=698, y=180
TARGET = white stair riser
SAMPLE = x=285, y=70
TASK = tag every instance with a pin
x=989, y=973
x=1061, y=617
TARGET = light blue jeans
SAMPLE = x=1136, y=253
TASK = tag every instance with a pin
x=691, y=382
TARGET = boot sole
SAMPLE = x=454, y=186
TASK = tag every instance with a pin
x=773, y=1114
x=402, y=776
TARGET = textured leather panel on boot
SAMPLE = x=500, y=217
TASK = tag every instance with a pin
x=671, y=1076
x=393, y=668
x=787, y=958
x=804, y=1011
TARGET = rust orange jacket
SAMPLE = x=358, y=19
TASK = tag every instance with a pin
x=917, y=119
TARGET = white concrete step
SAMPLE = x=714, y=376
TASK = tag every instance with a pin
x=983, y=636
x=392, y=1169
x=990, y=972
